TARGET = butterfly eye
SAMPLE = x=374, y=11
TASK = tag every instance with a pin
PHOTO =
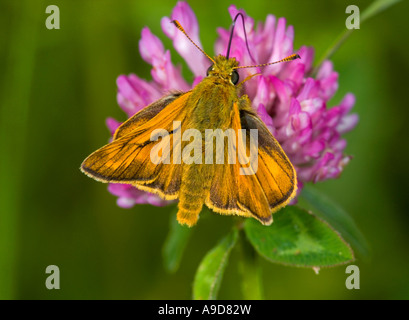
x=234, y=77
x=209, y=69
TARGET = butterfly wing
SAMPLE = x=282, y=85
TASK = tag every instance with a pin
x=275, y=172
x=128, y=160
x=145, y=114
x=269, y=184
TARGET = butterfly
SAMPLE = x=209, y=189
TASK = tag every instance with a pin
x=149, y=151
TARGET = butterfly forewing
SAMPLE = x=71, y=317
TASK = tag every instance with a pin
x=128, y=158
x=145, y=115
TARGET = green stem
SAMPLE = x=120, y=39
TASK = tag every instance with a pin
x=250, y=270
x=332, y=49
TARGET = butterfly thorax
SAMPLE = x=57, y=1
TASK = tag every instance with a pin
x=213, y=100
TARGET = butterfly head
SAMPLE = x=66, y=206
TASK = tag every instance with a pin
x=224, y=69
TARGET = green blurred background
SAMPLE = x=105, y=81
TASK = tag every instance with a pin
x=57, y=88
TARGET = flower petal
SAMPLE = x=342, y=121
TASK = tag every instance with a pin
x=135, y=93
x=347, y=123
x=328, y=80
x=196, y=61
x=167, y=75
x=112, y=125
x=150, y=46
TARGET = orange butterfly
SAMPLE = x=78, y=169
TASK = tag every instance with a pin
x=141, y=153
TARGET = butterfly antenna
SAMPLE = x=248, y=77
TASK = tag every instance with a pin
x=245, y=36
x=179, y=26
x=289, y=58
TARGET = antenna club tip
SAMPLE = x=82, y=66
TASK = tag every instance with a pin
x=294, y=56
x=177, y=24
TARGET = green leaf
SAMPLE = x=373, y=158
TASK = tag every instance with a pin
x=298, y=238
x=210, y=272
x=331, y=212
x=175, y=243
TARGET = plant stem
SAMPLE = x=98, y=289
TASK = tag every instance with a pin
x=250, y=270
x=332, y=49
x=373, y=9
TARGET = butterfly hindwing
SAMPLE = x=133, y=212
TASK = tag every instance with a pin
x=269, y=182
x=275, y=171
x=233, y=193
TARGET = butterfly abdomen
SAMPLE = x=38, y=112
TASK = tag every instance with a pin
x=195, y=187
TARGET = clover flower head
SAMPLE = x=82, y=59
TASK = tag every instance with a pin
x=291, y=102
